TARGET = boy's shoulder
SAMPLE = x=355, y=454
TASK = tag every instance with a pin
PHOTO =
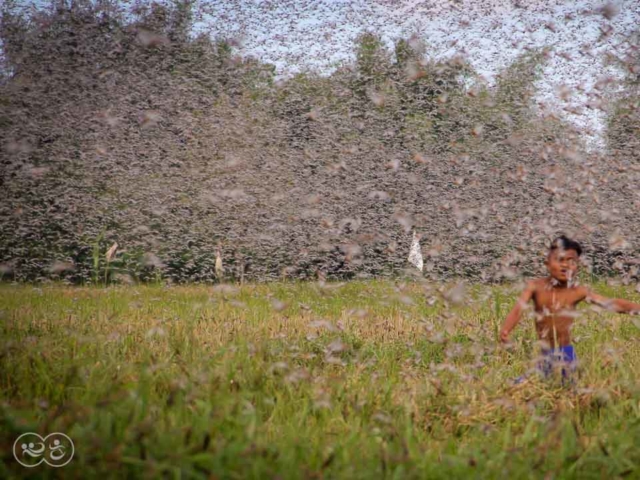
x=543, y=283
x=537, y=283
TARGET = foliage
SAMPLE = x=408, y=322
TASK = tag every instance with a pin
x=623, y=133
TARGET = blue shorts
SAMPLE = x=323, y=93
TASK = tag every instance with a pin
x=561, y=358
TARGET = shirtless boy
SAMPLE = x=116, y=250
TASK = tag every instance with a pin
x=555, y=299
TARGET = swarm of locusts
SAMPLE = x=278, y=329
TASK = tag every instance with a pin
x=192, y=132
x=295, y=239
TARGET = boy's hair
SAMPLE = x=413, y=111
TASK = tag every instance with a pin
x=565, y=243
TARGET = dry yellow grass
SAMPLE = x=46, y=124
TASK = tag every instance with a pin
x=363, y=379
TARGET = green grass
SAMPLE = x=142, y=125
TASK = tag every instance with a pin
x=359, y=380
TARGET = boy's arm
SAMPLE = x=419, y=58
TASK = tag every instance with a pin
x=516, y=312
x=617, y=305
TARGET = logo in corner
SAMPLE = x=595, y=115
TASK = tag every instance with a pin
x=56, y=449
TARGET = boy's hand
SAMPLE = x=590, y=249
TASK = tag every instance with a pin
x=504, y=336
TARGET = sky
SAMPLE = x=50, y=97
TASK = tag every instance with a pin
x=319, y=34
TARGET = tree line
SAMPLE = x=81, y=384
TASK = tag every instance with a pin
x=123, y=126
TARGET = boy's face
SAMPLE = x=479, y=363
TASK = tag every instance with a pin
x=562, y=264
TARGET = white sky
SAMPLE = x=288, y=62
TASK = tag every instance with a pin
x=319, y=34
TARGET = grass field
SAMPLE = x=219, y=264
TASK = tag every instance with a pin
x=355, y=380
